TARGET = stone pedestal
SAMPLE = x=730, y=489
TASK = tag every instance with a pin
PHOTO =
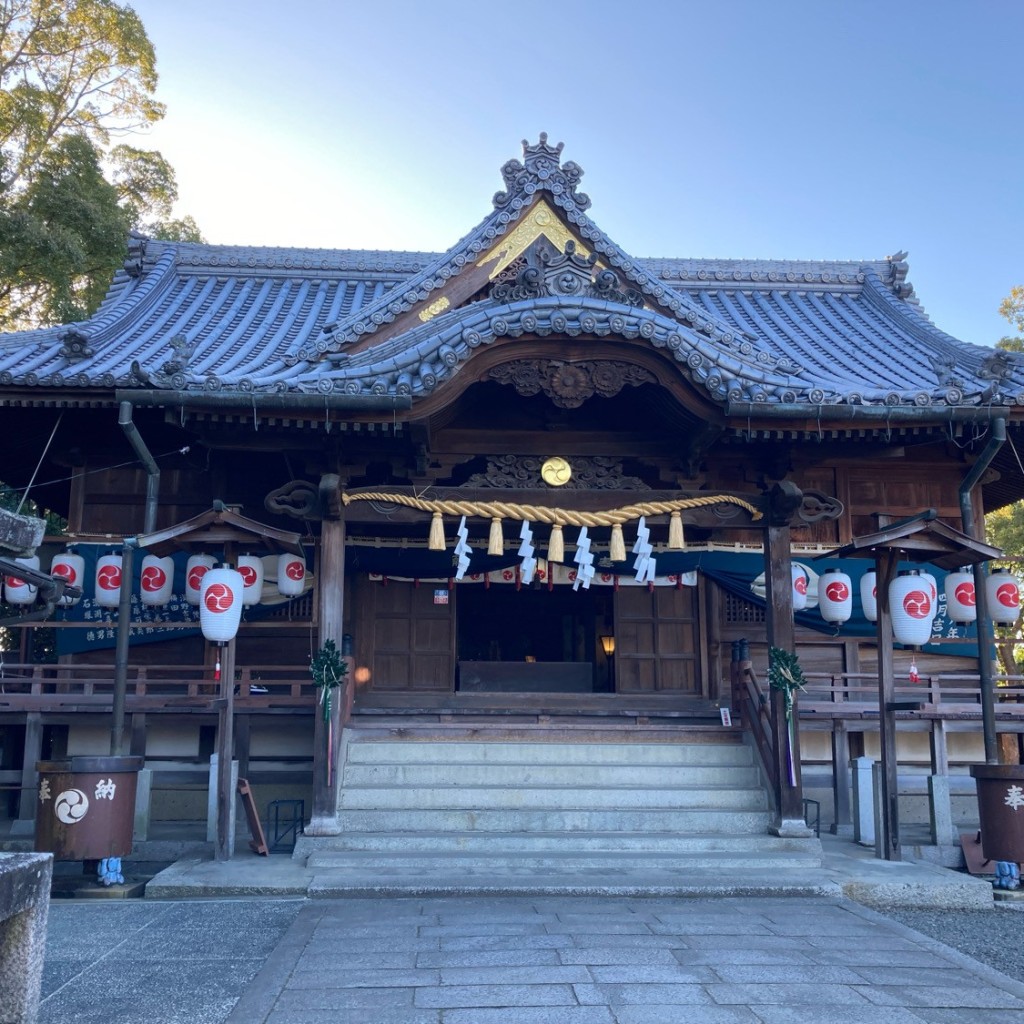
x=24, y=904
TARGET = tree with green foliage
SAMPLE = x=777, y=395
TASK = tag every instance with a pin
x=74, y=75
x=1012, y=308
x=1005, y=526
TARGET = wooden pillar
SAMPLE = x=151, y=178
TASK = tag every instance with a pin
x=331, y=581
x=885, y=571
x=225, y=751
x=784, y=499
x=842, y=818
x=789, y=804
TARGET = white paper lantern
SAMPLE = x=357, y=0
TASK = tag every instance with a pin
x=799, y=589
x=291, y=574
x=961, y=600
x=933, y=590
x=835, y=596
x=869, y=595
x=251, y=569
x=1002, y=589
x=195, y=569
x=18, y=590
x=156, y=580
x=220, y=604
x=70, y=567
x=912, y=608
x=108, y=581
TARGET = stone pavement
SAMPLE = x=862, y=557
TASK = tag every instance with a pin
x=477, y=960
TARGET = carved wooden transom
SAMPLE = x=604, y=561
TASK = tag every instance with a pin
x=569, y=385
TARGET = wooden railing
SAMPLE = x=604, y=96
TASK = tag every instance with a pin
x=853, y=695
x=750, y=697
x=151, y=688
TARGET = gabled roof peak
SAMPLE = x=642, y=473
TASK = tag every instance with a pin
x=541, y=168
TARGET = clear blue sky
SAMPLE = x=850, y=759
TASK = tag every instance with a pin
x=804, y=129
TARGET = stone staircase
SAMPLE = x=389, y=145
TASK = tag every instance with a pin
x=527, y=811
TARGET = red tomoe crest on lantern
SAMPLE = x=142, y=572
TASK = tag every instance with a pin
x=800, y=583
x=195, y=576
x=65, y=571
x=295, y=570
x=195, y=570
x=917, y=604
x=837, y=591
x=1008, y=595
x=218, y=598
x=250, y=567
x=153, y=578
x=108, y=577
x=965, y=593
x=248, y=574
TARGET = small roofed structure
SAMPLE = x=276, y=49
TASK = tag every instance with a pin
x=921, y=538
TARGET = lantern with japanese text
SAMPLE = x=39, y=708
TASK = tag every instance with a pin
x=799, y=588
x=961, y=602
x=291, y=574
x=156, y=580
x=195, y=569
x=1002, y=589
x=18, y=590
x=835, y=596
x=108, y=581
x=71, y=567
x=912, y=608
x=251, y=569
x=869, y=595
x=220, y=604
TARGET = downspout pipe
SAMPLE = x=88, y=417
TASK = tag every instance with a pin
x=986, y=636
x=131, y=431
x=124, y=608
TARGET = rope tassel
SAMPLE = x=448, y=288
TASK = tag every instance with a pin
x=436, y=541
x=556, y=544
x=496, y=542
x=676, y=541
x=617, y=548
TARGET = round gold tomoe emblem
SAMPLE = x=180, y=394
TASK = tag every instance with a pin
x=556, y=471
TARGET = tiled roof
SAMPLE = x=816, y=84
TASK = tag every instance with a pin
x=184, y=317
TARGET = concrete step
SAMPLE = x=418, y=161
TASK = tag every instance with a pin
x=386, y=751
x=695, y=884
x=520, y=843
x=612, y=799
x=567, y=862
x=560, y=775
x=555, y=819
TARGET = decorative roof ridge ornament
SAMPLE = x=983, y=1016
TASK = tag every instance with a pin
x=541, y=168
x=75, y=345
